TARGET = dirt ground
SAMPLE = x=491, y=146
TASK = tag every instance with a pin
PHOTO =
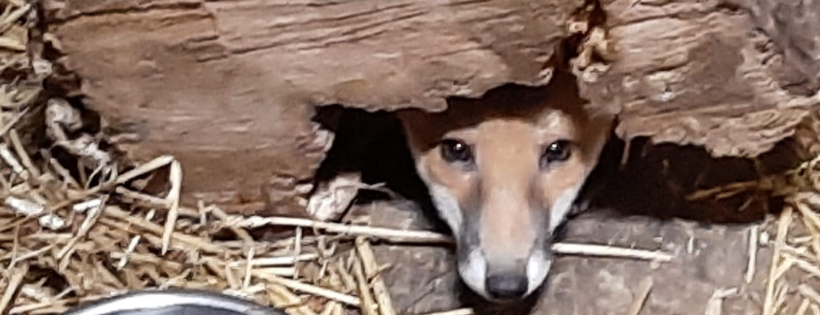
x=708, y=259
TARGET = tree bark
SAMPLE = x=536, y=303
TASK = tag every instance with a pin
x=229, y=87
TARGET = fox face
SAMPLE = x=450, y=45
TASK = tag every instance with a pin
x=503, y=171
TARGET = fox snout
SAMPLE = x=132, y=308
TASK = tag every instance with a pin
x=504, y=280
x=504, y=275
x=506, y=286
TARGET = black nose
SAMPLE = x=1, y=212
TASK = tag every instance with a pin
x=506, y=287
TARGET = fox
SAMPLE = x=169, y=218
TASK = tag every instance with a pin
x=504, y=171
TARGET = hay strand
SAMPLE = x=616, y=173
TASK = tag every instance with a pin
x=12, y=286
x=610, y=251
x=639, y=300
x=371, y=270
x=173, y=199
x=752, y=259
x=368, y=306
x=782, y=230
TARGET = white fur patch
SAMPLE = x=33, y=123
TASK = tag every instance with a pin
x=537, y=269
x=474, y=272
x=448, y=208
x=561, y=208
x=446, y=204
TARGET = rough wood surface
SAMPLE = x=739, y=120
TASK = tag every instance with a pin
x=228, y=86
x=734, y=76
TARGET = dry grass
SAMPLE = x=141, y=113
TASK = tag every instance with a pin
x=794, y=271
x=78, y=239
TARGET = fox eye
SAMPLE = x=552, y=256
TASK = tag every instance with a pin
x=453, y=150
x=557, y=151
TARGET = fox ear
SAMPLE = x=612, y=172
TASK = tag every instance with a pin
x=412, y=119
x=422, y=129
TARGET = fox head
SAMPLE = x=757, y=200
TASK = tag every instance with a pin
x=503, y=172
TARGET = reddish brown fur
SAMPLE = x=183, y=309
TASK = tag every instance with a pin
x=509, y=129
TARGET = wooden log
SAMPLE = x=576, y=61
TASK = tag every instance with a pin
x=228, y=87
x=736, y=77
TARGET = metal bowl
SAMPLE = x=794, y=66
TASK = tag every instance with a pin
x=173, y=302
